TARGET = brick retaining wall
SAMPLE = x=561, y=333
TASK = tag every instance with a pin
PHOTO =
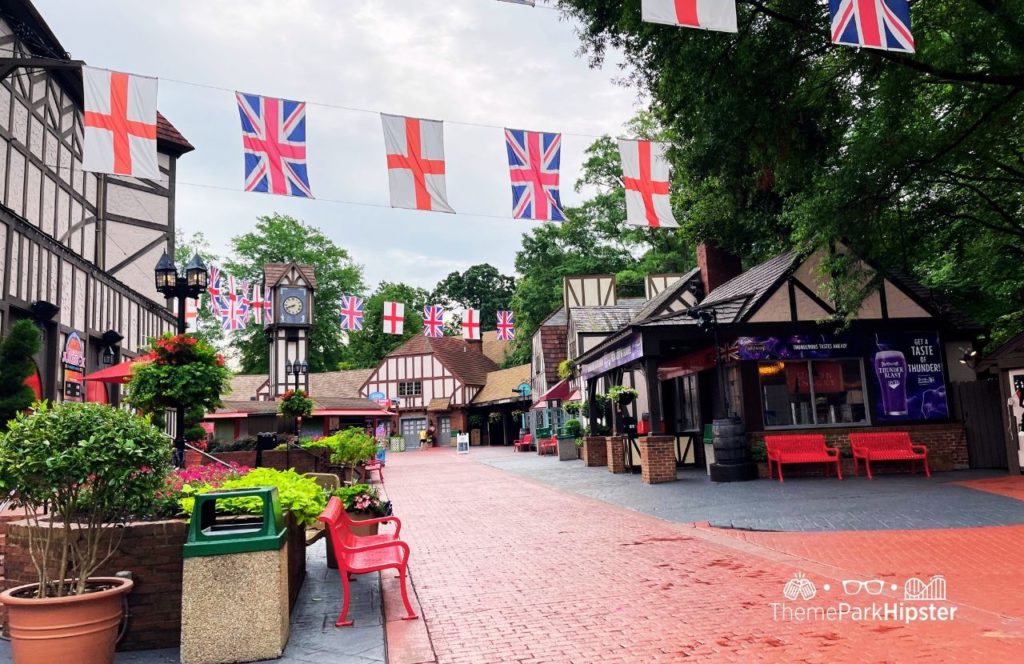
x=616, y=454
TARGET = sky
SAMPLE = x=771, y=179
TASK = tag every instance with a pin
x=462, y=61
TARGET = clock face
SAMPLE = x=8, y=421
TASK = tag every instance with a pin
x=293, y=306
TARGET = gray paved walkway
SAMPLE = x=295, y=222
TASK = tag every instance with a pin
x=800, y=504
x=314, y=638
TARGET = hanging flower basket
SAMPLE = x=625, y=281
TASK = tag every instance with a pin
x=623, y=395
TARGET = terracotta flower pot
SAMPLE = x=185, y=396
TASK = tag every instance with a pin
x=80, y=628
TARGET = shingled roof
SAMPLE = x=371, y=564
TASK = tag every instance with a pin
x=272, y=273
x=662, y=298
x=327, y=384
x=603, y=319
x=464, y=359
x=501, y=385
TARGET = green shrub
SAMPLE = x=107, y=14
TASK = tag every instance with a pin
x=16, y=364
x=758, y=452
x=299, y=495
x=90, y=465
x=353, y=447
x=574, y=428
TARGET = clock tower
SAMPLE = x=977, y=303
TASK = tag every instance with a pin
x=290, y=287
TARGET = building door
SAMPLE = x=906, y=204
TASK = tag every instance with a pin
x=444, y=430
x=977, y=405
x=411, y=427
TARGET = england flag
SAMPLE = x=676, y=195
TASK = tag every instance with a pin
x=705, y=14
x=415, y=152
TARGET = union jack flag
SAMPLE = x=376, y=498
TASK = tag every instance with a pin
x=274, y=139
x=533, y=161
x=234, y=316
x=881, y=24
x=433, y=321
x=506, y=326
x=351, y=312
x=214, y=289
x=260, y=304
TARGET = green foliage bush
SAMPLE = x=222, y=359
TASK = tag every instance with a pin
x=89, y=464
x=352, y=447
x=574, y=428
x=299, y=495
x=295, y=403
x=16, y=351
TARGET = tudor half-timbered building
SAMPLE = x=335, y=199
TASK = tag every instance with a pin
x=77, y=249
x=433, y=381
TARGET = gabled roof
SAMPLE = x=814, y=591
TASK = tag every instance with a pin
x=501, y=385
x=244, y=386
x=272, y=273
x=464, y=359
x=603, y=319
x=931, y=300
x=557, y=318
x=494, y=349
x=740, y=295
x=674, y=289
x=327, y=384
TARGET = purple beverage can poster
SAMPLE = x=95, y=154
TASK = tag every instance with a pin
x=908, y=368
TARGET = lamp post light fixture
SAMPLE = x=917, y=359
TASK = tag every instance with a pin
x=707, y=320
x=179, y=288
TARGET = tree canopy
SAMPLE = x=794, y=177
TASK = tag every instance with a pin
x=480, y=287
x=781, y=139
x=367, y=347
x=282, y=239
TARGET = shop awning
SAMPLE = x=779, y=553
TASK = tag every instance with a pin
x=685, y=365
x=557, y=393
x=341, y=412
x=439, y=405
x=225, y=416
x=119, y=373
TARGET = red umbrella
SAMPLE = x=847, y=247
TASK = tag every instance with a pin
x=119, y=373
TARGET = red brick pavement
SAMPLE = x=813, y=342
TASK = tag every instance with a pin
x=508, y=570
x=1010, y=486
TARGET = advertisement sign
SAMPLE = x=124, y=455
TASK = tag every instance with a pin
x=462, y=443
x=614, y=359
x=908, y=368
x=797, y=347
x=73, y=359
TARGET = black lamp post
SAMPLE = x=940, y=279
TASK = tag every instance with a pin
x=110, y=340
x=707, y=319
x=296, y=369
x=180, y=288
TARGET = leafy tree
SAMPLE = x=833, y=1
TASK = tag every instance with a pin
x=781, y=139
x=16, y=364
x=208, y=326
x=283, y=239
x=480, y=287
x=368, y=347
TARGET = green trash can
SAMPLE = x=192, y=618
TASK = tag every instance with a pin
x=235, y=566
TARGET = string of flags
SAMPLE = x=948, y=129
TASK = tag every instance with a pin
x=120, y=122
x=351, y=316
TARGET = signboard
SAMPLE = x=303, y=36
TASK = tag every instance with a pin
x=614, y=359
x=797, y=347
x=73, y=359
x=523, y=389
x=462, y=443
x=908, y=369
x=375, y=396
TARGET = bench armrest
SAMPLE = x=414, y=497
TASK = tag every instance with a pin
x=384, y=519
x=832, y=451
x=920, y=449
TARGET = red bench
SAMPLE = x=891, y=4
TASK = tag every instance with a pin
x=805, y=448
x=524, y=443
x=548, y=445
x=361, y=555
x=887, y=446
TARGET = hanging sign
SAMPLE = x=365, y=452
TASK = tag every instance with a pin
x=73, y=359
x=614, y=359
x=797, y=347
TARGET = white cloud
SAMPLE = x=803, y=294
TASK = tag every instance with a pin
x=477, y=61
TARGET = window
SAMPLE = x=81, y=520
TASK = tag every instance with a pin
x=812, y=393
x=411, y=389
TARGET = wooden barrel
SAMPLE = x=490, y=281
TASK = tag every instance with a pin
x=730, y=441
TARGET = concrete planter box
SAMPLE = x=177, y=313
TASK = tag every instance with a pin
x=567, y=449
x=152, y=551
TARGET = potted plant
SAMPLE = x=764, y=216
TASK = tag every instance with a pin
x=80, y=470
x=622, y=395
x=296, y=405
x=363, y=502
x=759, y=454
x=574, y=408
x=352, y=448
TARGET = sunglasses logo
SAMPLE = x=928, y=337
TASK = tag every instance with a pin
x=872, y=587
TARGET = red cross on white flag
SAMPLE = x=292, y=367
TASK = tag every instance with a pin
x=415, y=150
x=471, y=324
x=707, y=14
x=645, y=176
x=120, y=124
x=394, y=318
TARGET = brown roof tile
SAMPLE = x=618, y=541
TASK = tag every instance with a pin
x=463, y=358
x=338, y=383
x=501, y=384
x=168, y=134
x=494, y=349
x=244, y=386
x=272, y=273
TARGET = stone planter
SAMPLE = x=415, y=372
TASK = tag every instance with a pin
x=594, y=451
x=567, y=449
x=762, y=469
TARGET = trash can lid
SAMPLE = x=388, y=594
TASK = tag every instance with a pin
x=213, y=534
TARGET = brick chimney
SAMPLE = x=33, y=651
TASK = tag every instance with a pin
x=717, y=265
x=475, y=345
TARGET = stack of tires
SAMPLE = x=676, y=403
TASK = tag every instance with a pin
x=732, y=455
